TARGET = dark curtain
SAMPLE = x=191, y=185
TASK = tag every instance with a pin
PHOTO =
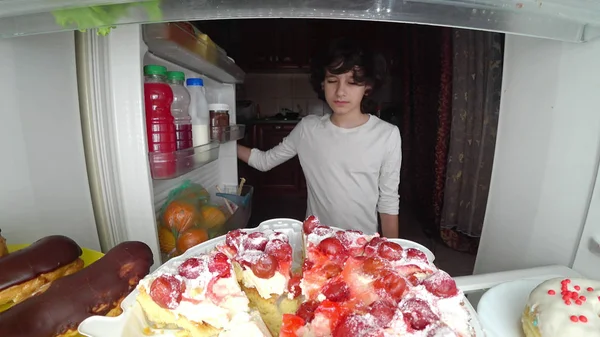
x=424, y=85
x=477, y=83
x=447, y=86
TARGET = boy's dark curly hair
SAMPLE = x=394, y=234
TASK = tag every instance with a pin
x=344, y=55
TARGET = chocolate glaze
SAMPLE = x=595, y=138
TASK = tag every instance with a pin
x=42, y=256
x=94, y=290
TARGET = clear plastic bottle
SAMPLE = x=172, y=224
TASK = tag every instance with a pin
x=180, y=110
x=199, y=111
x=160, y=128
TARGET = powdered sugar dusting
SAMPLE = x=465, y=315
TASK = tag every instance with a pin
x=432, y=306
x=358, y=326
x=319, y=234
x=243, y=246
x=209, y=297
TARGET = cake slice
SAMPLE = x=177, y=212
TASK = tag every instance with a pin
x=263, y=267
x=367, y=286
x=200, y=296
x=326, y=252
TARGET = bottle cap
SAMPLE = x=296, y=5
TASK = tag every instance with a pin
x=175, y=76
x=218, y=107
x=195, y=81
x=155, y=70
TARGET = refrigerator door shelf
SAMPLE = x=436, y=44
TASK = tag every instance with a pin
x=182, y=161
x=475, y=283
x=171, y=42
x=231, y=133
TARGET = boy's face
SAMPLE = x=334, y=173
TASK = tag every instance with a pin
x=342, y=94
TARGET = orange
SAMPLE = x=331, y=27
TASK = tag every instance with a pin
x=190, y=238
x=166, y=239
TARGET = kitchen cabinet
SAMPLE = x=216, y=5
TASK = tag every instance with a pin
x=285, y=180
x=278, y=45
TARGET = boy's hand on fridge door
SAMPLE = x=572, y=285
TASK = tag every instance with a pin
x=243, y=153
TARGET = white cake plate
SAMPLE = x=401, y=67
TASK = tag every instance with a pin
x=501, y=306
x=131, y=323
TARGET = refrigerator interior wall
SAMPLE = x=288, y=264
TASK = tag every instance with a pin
x=547, y=149
x=588, y=253
x=44, y=186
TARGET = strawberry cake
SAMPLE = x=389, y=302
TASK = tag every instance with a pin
x=201, y=296
x=263, y=266
x=359, y=285
x=350, y=284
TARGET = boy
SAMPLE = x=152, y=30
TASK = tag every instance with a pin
x=351, y=160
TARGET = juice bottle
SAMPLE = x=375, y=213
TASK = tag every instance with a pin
x=179, y=110
x=199, y=111
x=160, y=127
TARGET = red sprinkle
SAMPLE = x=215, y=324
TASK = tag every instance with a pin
x=574, y=295
x=551, y=292
x=583, y=319
x=577, y=288
x=590, y=289
x=578, y=302
x=566, y=280
x=567, y=302
x=582, y=298
x=574, y=318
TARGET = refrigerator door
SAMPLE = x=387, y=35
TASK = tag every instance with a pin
x=111, y=89
x=125, y=197
x=44, y=188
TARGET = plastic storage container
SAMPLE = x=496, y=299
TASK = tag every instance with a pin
x=180, y=110
x=219, y=119
x=199, y=111
x=160, y=126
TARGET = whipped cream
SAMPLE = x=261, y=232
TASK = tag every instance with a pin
x=200, y=308
x=247, y=325
x=266, y=287
x=226, y=301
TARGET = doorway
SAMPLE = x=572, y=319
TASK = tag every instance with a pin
x=443, y=93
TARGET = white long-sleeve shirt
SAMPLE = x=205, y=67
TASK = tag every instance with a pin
x=351, y=174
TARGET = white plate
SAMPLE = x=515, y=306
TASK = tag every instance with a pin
x=500, y=308
x=131, y=322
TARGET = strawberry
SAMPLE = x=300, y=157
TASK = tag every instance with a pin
x=417, y=314
x=166, y=291
x=390, y=251
x=412, y=253
x=220, y=264
x=291, y=325
x=441, y=285
x=309, y=224
x=191, y=268
x=336, y=291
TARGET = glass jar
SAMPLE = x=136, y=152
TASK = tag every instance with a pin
x=219, y=120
